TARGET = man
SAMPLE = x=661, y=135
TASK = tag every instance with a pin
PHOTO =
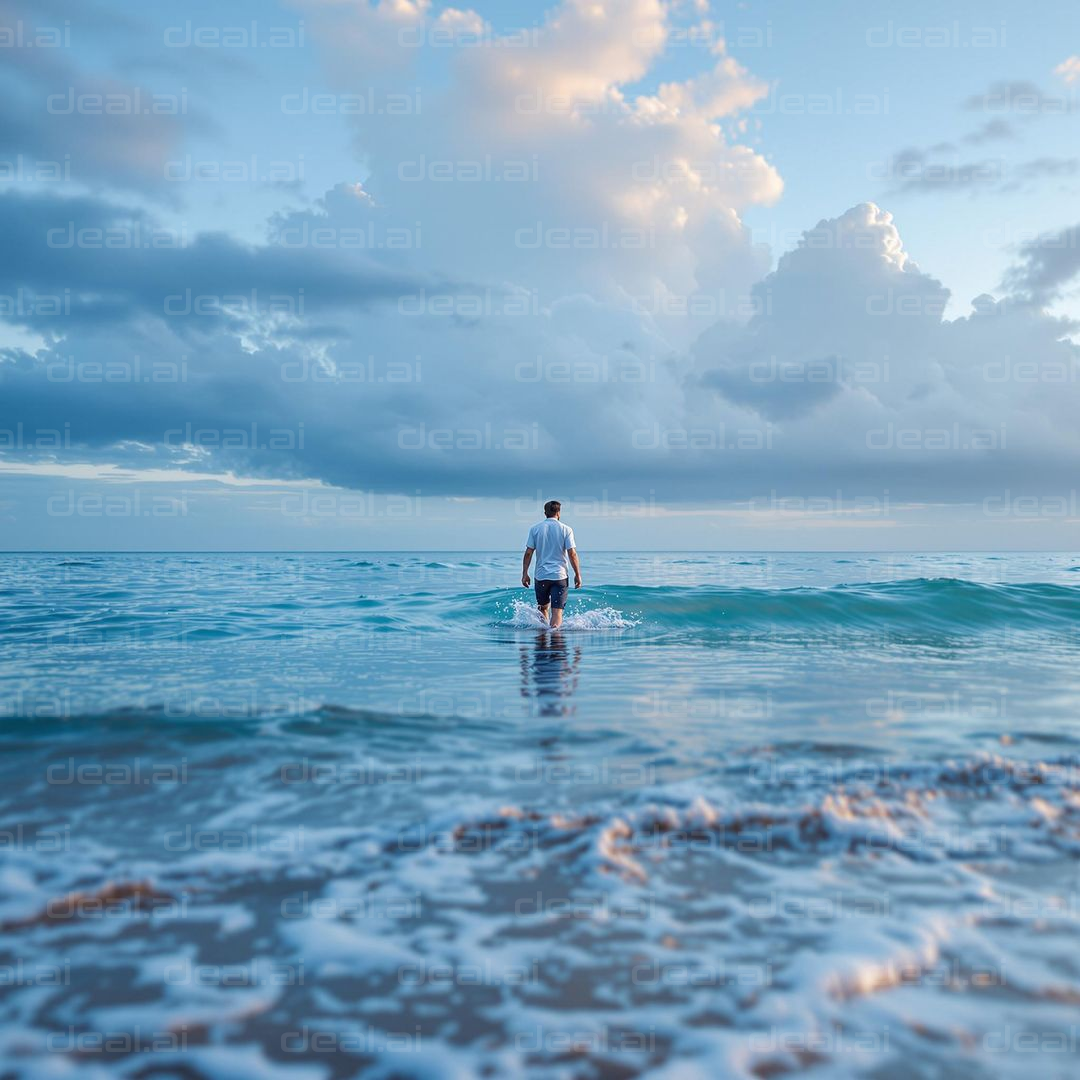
x=553, y=543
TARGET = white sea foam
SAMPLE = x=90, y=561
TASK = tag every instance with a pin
x=526, y=616
x=793, y=920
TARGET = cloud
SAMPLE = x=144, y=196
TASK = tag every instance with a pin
x=940, y=168
x=846, y=377
x=921, y=175
x=992, y=131
x=850, y=354
x=1069, y=70
x=541, y=159
x=836, y=314
x=85, y=260
x=918, y=172
x=507, y=299
x=1020, y=98
x=1047, y=264
x=72, y=124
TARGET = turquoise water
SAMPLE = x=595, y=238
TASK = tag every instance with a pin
x=747, y=815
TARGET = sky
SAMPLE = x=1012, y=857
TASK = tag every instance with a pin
x=386, y=274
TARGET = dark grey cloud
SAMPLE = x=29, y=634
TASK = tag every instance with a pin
x=1021, y=98
x=85, y=260
x=1047, y=265
x=941, y=168
x=994, y=130
x=920, y=172
x=777, y=389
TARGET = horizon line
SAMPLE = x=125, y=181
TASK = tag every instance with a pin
x=507, y=551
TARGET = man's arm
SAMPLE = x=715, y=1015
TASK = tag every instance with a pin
x=577, y=567
x=525, y=566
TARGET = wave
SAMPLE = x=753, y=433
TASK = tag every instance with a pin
x=946, y=605
x=915, y=609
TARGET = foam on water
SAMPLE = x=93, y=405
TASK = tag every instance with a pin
x=710, y=926
x=526, y=616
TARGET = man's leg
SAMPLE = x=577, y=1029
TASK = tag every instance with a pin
x=558, y=602
x=543, y=597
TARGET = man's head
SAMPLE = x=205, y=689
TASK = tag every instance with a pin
x=552, y=508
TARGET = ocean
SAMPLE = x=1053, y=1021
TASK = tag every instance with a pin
x=748, y=815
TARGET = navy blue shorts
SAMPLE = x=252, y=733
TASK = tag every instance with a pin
x=552, y=592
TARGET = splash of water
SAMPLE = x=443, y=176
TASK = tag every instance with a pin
x=526, y=616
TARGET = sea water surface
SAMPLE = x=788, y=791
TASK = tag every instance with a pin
x=339, y=815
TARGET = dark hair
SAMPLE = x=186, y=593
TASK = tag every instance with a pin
x=552, y=507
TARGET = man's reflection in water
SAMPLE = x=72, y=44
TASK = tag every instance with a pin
x=549, y=672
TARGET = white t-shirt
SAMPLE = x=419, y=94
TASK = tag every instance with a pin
x=551, y=540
